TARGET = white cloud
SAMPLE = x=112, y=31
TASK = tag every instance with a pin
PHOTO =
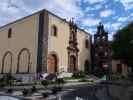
x=131, y=15
x=93, y=1
x=90, y=15
x=123, y=19
x=65, y=8
x=89, y=8
x=92, y=31
x=106, y=13
x=20, y=8
x=115, y=17
x=128, y=4
x=110, y=36
x=107, y=26
x=90, y=21
x=96, y=7
x=11, y=10
x=116, y=26
x=112, y=26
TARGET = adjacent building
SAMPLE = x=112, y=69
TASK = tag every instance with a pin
x=119, y=67
x=43, y=43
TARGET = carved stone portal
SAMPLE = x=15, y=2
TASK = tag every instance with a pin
x=72, y=48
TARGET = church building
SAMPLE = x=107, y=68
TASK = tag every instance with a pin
x=43, y=43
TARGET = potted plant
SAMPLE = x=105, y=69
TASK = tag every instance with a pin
x=33, y=89
x=10, y=90
x=45, y=94
x=25, y=92
x=45, y=83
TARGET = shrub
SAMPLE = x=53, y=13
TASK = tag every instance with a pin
x=45, y=83
x=83, y=80
x=25, y=92
x=79, y=74
x=7, y=79
x=117, y=76
x=9, y=90
x=60, y=81
x=45, y=94
x=123, y=77
x=33, y=89
x=2, y=83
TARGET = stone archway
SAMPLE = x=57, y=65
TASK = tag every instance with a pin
x=52, y=63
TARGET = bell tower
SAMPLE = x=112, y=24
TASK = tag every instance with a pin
x=101, y=50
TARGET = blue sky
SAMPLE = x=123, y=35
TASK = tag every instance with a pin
x=114, y=14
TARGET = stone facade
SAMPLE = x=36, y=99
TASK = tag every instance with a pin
x=18, y=53
x=38, y=43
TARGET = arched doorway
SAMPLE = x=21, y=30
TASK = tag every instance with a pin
x=72, y=63
x=86, y=65
x=7, y=63
x=23, y=65
x=52, y=63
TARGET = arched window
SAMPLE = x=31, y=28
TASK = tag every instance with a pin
x=86, y=43
x=23, y=64
x=9, y=33
x=54, y=30
x=7, y=62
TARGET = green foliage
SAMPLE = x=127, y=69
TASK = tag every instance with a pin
x=45, y=94
x=76, y=75
x=7, y=79
x=71, y=78
x=117, y=76
x=83, y=80
x=10, y=90
x=25, y=92
x=79, y=74
x=45, y=83
x=60, y=81
x=2, y=83
x=33, y=89
x=122, y=45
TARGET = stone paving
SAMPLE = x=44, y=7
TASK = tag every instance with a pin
x=119, y=90
x=38, y=95
x=122, y=91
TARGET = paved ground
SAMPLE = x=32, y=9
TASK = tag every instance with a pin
x=101, y=92
x=66, y=85
x=120, y=90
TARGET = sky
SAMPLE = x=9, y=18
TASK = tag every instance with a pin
x=114, y=14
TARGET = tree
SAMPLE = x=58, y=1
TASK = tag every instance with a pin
x=122, y=45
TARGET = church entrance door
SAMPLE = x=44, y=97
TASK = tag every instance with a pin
x=72, y=63
x=52, y=63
